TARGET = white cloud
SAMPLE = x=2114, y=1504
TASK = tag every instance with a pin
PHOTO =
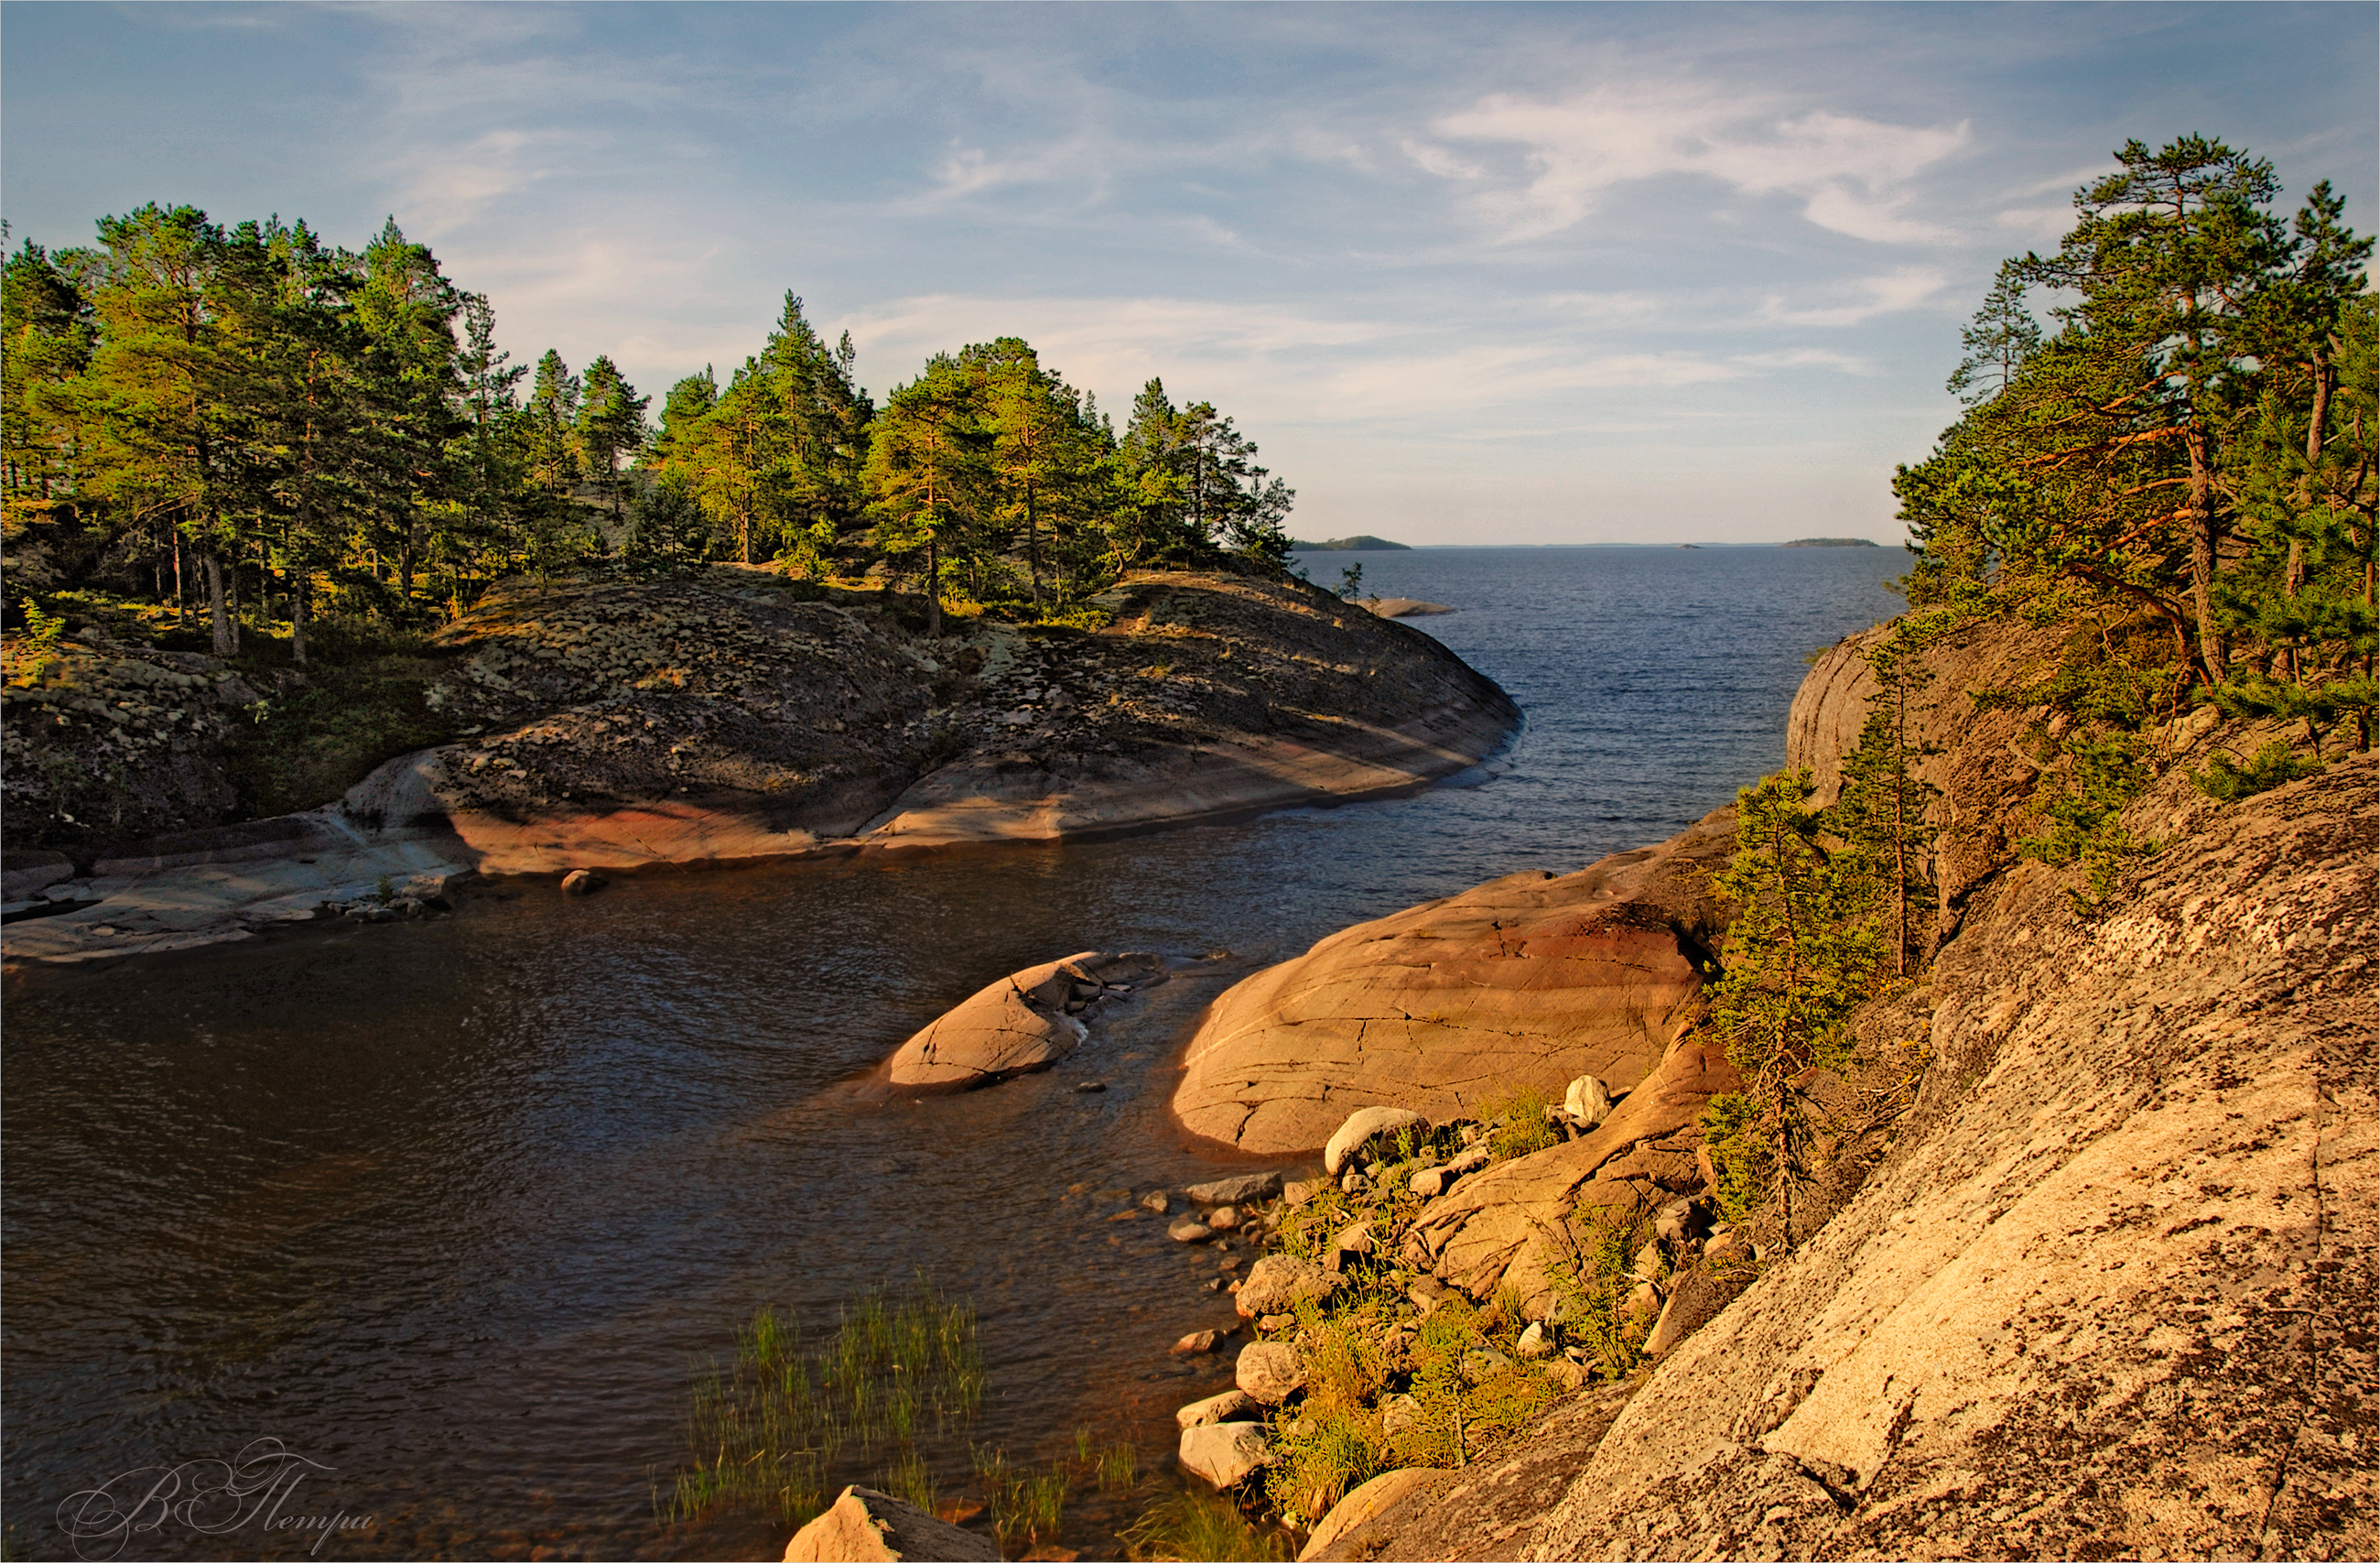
x=456, y=187
x=1851, y=173
x=1907, y=287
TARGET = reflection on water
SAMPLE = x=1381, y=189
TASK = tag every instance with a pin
x=450, y=1208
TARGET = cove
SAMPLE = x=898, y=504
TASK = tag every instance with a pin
x=449, y=1208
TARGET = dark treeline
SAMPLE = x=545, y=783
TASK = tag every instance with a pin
x=2181, y=465
x=248, y=425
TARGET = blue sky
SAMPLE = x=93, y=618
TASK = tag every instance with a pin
x=1467, y=274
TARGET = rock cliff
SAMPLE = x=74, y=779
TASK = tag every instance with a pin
x=2110, y=1291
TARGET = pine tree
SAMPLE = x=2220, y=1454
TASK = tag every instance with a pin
x=930, y=474
x=1883, y=809
x=610, y=429
x=1801, y=956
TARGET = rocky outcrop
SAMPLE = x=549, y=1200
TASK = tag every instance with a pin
x=1530, y=980
x=739, y=714
x=867, y=1526
x=103, y=741
x=729, y=716
x=2110, y=1289
x=1027, y=1020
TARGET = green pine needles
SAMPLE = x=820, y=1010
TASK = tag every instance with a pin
x=1804, y=953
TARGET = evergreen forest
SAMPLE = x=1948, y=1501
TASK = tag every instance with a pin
x=229, y=428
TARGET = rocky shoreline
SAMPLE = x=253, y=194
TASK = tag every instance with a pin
x=2098, y=1167
x=737, y=716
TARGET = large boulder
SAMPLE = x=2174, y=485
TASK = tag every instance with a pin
x=1530, y=980
x=867, y=1526
x=1017, y=1024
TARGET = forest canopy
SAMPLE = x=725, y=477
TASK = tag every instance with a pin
x=248, y=425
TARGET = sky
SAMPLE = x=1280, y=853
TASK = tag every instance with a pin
x=1470, y=274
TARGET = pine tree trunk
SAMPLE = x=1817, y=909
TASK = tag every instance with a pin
x=2202, y=556
x=1033, y=547
x=933, y=587
x=181, y=593
x=219, y=619
x=297, y=616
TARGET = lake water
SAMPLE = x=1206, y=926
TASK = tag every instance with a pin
x=451, y=1209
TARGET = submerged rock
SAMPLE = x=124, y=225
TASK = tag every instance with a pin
x=1013, y=1026
x=867, y=1526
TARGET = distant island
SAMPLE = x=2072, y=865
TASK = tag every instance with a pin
x=1360, y=542
x=1821, y=543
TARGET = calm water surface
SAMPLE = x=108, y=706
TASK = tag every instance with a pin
x=451, y=1208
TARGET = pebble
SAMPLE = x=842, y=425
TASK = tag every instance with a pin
x=1197, y=1343
x=1085, y=1087
x=582, y=882
x=1155, y=1202
x=1224, y=1217
x=1190, y=1229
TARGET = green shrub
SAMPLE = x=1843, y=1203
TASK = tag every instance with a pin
x=2228, y=781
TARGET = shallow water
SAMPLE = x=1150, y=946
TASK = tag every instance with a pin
x=451, y=1208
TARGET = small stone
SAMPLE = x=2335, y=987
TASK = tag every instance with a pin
x=1677, y=1222
x=1644, y=1301
x=1356, y=1238
x=1354, y=1183
x=1224, y=1217
x=1228, y=1264
x=1399, y=1413
x=1232, y=1405
x=1269, y=1371
x=1190, y=1229
x=1568, y=1375
x=1273, y=1323
x=1588, y=1101
x=1648, y=1262
x=582, y=882
x=1301, y=1191
x=1482, y=1365
x=1245, y=1190
x=1154, y=1201
x=1361, y=1129
x=1197, y=1343
x=1535, y=1344
x=1224, y=1454
x=1430, y=1294
x=1278, y=1282
x=1085, y=1088
x=1429, y=1182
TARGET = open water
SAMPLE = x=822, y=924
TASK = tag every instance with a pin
x=453, y=1209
